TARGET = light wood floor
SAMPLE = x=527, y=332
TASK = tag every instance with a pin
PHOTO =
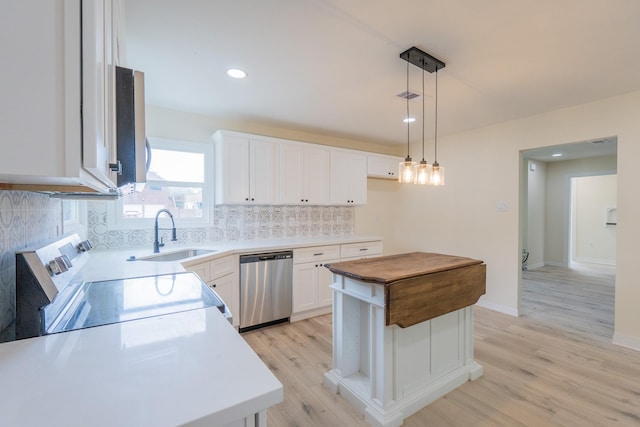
x=579, y=300
x=554, y=366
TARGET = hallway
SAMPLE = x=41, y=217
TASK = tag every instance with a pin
x=577, y=300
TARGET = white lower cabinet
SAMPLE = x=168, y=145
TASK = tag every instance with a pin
x=226, y=287
x=312, y=281
x=361, y=250
x=221, y=275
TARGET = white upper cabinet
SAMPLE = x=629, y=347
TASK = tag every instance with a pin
x=54, y=140
x=348, y=177
x=98, y=70
x=304, y=169
x=246, y=169
x=383, y=166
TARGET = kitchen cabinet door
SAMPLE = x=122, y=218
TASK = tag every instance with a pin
x=382, y=166
x=246, y=169
x=264, y=164
x=227, y=288
x=311, y=286
x=304, y=172
x=98, y=103
x=312, y=280
x=232, y=169
x=61, y=128
x=305, y=287
x=348, y=178
x=325, y=280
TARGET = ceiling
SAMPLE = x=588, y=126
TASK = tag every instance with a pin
x=599, y=147
x=333, y=66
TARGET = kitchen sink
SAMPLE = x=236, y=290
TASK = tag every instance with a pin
x=177, y=255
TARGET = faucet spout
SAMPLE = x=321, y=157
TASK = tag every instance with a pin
x=156, y=242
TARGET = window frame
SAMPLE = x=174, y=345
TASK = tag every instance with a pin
x=116, y=218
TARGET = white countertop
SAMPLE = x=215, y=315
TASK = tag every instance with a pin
x=112, y=264
x=160, y=371
x=184, y=368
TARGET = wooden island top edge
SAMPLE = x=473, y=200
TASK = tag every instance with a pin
x=388, y=269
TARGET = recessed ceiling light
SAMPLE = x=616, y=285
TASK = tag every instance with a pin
x=556, y=155
x=236, y=73
x=409, y=119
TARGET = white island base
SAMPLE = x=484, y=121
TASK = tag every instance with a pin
x=388, y=372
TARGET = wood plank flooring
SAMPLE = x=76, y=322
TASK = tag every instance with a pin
x=543, y=369
x=576, y=300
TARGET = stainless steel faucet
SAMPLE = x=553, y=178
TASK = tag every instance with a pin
x=156, y=243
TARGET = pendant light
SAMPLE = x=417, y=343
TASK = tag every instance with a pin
x=423, y=169
x=405, y=169
x=423, y=173
x=437, y=171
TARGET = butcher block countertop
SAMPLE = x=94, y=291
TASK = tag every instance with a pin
x=418, y=285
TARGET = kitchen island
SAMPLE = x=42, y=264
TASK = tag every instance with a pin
x=403, y=331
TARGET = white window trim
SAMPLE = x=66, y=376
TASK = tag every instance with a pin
x=77, y=225
x=115, y=218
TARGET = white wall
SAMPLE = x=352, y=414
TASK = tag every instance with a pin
x=534, y=232
x=594, y=240
x=483, y=168
x=558, y=192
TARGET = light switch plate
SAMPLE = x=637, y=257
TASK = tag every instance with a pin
x=502, y=206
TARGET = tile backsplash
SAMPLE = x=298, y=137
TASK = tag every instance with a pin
x=28, y=218
x=25, y=219
x=230, y=223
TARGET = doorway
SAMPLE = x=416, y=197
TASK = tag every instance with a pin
x=562, y=283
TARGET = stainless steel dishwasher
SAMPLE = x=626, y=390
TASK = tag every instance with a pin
x=265, y=289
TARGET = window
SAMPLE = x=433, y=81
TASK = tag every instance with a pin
x=74, y=214
x=178, y=179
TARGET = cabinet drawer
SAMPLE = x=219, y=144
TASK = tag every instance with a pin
x=222, y=266
x=364, y=249
x=316, y=253
x=202, y=270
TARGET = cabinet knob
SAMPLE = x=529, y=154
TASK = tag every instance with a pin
x=252, y=199
x=306, y=200
x=214, y=285
x=302, y=200
x=246, y=199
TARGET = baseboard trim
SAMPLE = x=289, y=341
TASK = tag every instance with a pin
x=536, y=265
x=596, y=261
x=499, y=308
x=626, y=341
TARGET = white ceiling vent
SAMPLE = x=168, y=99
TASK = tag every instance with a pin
x=603, y=140
x=408, y=95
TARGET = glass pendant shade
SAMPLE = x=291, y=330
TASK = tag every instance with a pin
x=422, y=173
x=437, y=175
x=406, y=171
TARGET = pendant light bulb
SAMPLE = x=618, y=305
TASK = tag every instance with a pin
x=423, y=173
x=405, y=169
x=437, y=175
x=437, y=171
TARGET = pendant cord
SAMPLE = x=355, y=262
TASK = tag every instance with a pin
x=435, y=138
x=407, y=96
x=423, y=114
